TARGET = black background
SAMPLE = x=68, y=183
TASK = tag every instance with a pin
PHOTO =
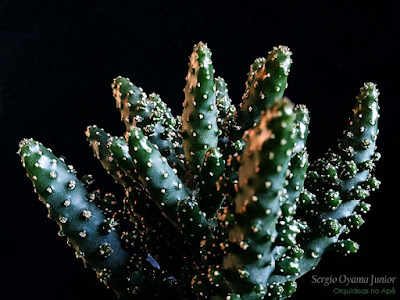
x=57, y=60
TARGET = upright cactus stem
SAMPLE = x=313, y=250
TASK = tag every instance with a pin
x=261, y=181
x=338, y=182
x=266, y=83
x=199, y=118
x=220, y=203
x=358, y=144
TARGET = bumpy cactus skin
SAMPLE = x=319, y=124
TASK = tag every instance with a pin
x=199, y=118
x=261, y=180
x=88, y=231
x=220, y=203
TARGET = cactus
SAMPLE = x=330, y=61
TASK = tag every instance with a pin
x=220, y=203
x=199, y=118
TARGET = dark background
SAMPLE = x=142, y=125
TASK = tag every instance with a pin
x=57, y=60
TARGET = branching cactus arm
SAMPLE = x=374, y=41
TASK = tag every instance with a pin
x=266, y=83
x=199, y=118
x=84, y=224
x=336, y=186
x=261, y=181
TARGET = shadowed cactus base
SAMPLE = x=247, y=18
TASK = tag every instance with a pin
x=220, y=203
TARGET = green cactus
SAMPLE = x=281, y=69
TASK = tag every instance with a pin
x=199, y=118
x=87, y=229
x=257, y=204
x=221, y=203
x=213, y=168
x=266, y=83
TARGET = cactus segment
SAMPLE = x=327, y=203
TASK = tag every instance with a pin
x=139, y=200
x=161, y=112
x=226, y=113
x=313, y=251
x=350, y=170
x=132, y=102
x=164, y=186
x=301, y=126
x=159, y=235
x=261, y=181
x=81, y=221
x=98, y=140
x=152, y=115
x=163, y=133
x=119, y=151
x=168, y=143
x=199, y=119
x=229, y=121
x=298, y=170
x=210, y=197
x=223, y=100
x=336, y=184
x=265, y=85
x=345, y=247
x=358, y=144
